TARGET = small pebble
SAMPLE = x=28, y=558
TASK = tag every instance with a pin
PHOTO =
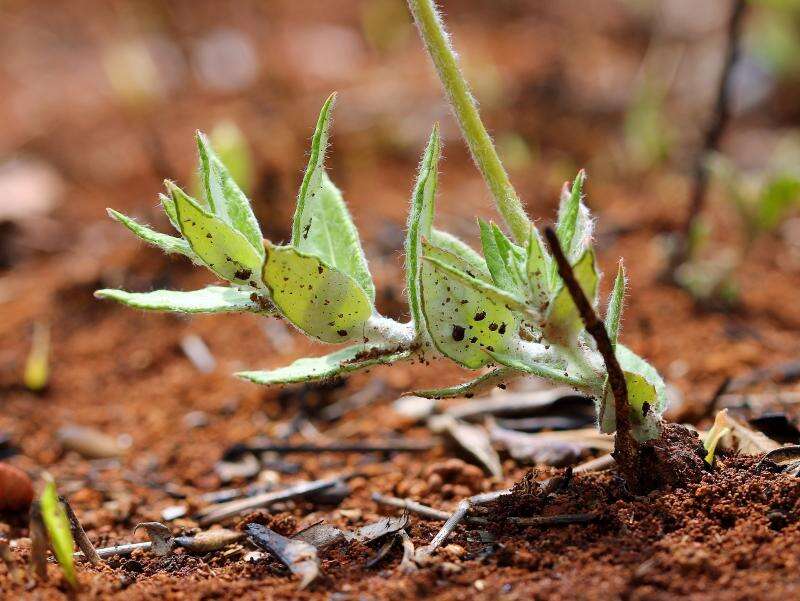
x=16, y=488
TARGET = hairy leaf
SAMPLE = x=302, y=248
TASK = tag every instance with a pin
x=213, y=299
x=538, y=266
x=59, y=531
x=480, y=384
x=341, y=362
x=329, y=233
x=497, y=295
x=167, y=243
x=321, y=301
x=496, y=258
x=313, y=177
x=225, y=198
x=541, y=370
x=420, y=223
x=442, y=255
x=169, y=208
x=614, y=311
x=574, y=226
x=647, y=397
x=563, y=322
x=219, y=246
x=461, y=249
x=463, y=321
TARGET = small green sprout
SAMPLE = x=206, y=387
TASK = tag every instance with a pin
x=715, y=434
x=504, y=313
x=762, y=200
x=58, y=531
x=37, y=365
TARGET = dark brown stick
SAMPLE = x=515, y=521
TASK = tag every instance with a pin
x=79, y=534
x=386, y=446
x=39, y=542
x=719, y=119
x=625, y=447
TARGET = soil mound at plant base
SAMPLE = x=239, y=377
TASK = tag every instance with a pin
x=733, y=534
x=673, y=459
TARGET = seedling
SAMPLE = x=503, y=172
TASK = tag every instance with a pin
x=762, y=201
x=58, y=529
x=505, y=313
x=37, y=364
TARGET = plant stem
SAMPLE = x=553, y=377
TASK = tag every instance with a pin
x=719, y=119
x=480, y=144
x=625, y=446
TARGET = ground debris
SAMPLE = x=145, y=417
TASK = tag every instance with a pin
x=550, y=448
x=216, y=513
x=299, y=556
x=91, y=443
x=472, y=439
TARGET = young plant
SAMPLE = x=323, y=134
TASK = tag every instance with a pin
x=762, y=201
x=505, y=313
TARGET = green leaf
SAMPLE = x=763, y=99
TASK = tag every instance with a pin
x=647, y=397
x=213, y=299
x=431, y=251
x=463, y=321
x=563, y=323
x=167, y=243
x=225, y=199
x=321, y=301
x=461, y=249
x=312, y=180
x=496, y=258
x=169, y=209
x=329, y=233
x=511, y=301
x=58, y=530
x=569, y=213
x=341, y=362
x=482, y=383
x=541, y=370
x=538, y=266
x=420, y=223
x=615, y=301
x=574, y=225
x=223, y=249
x=778, y=196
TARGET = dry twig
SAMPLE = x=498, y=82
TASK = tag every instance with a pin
x=625, y=446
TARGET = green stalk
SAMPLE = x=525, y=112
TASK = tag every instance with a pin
x=480, y=143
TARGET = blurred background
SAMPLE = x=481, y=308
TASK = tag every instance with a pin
x=100, y=101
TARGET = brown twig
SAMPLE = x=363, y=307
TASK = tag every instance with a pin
x=625, y=446
x=553, y=520
x=217, y=513
x=39, y=542
x=381, y=446
x=79, y=534
x=719, y=119
x=423, y=511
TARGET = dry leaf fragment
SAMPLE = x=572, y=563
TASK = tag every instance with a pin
x=160, y=536
x=551, y=448
x=321, y=535
x=299, y=556
x=744, y=438
x=381, y=528
x=472, y=439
